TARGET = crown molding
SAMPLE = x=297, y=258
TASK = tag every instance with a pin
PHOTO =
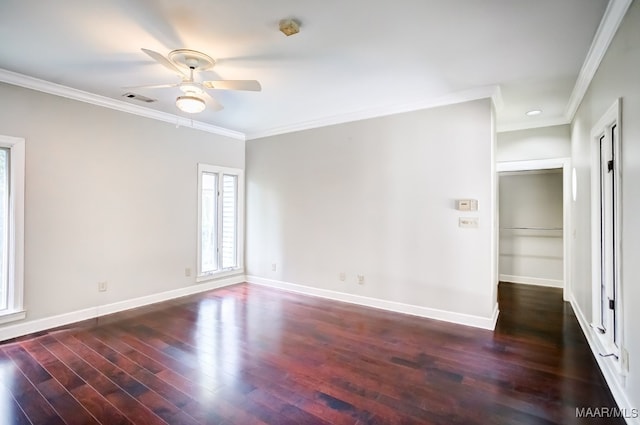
x=529, y=124
x=21, y=80
x=496, y=98
x=483, y=92
x=25, y=81
x=611, y=20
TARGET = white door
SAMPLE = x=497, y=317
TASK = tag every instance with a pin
x=606, y=231
x=608, y=254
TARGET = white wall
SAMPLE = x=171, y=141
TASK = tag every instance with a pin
x=376, y=197
x=531, y=200
x=535, y=143
x=109, y=197
x=617, y=76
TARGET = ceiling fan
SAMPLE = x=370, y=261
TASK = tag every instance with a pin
x=185, y=63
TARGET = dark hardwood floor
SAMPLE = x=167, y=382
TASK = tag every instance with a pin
x=252, y=355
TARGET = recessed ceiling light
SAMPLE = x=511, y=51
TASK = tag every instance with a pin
x=533, y=112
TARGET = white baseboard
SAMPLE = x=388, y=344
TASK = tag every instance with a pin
x=26, y=328
x=526, y=280
x=614, y=380
x=430, y=313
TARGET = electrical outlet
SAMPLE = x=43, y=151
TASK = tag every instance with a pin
x=187, y=271
x=102, y=286
x=361, y=279
x=274, y=267
x=342, y=276
x=468, y=222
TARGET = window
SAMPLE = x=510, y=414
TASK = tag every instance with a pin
x=220, y=196
x=4, y=227
x=12, y=154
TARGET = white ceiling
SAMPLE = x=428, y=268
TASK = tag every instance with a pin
x=352, y=59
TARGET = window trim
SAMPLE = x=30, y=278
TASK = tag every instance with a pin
x=239, y=269
x=15, y=299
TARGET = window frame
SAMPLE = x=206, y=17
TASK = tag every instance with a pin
x=239, y=268
x=15, y=241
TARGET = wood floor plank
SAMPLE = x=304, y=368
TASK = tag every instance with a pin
x=125, y=403
x=131, y=386
x=100, y=407
x=246, y=354
x=10, y=410
x=137, y=371
x=183, y=375
x=202, y=403
x=68, y=408
x=65, y=405
x=36, y=408
x=87, y=396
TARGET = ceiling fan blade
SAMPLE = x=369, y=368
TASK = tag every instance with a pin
x=164, y=61
x=153, y=86
x=249, y=85
x=213, y=104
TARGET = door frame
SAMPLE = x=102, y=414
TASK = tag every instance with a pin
x=612, y=117
x=548, y=164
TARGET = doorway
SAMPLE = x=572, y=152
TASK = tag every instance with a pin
x=530, y=223
x=535, y=231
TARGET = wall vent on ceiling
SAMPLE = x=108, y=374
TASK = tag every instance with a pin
x=139, y=97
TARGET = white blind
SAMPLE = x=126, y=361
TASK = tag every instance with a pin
x=209, y=240
x=229, y=220
x=4, y=227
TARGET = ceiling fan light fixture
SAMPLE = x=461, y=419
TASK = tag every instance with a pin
x=190, y=104
x=190, y=88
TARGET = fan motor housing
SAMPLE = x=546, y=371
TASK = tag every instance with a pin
x=191, y=59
